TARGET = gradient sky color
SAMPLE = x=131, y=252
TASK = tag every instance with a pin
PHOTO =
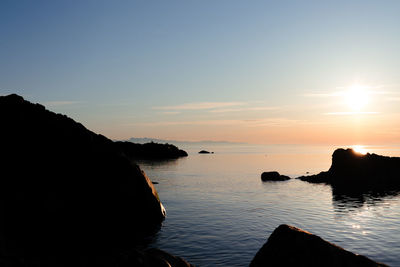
x=246, y=71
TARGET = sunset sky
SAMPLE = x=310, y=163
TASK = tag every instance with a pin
x=294, y=72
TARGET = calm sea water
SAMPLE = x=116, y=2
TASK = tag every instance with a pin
x=219, y=213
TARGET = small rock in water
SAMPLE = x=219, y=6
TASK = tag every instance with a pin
x=273, y=176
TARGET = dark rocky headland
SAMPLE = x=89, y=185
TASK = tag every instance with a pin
x=68, y=196
x=352, y=171
x=150, y=151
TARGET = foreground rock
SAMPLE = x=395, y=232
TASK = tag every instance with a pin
x=67, y=195
x=273, y=176
x=351, y=170
x=291, y=246
x=151, y=151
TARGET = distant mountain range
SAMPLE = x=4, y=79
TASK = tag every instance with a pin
x=163, y=141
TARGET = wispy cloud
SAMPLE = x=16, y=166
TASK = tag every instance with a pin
x=200, y=106
x=394, y=99
x=60, y=103
x=370, y=90
x=324, y=94
x=226, y=110
x=170, y=112
x=245, y=122
x=352, y=113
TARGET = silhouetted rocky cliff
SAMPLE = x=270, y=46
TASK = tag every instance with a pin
x=67, y=194
x=150, y=151
x=351, y=170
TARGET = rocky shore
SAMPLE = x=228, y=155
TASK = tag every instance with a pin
x=67, y=195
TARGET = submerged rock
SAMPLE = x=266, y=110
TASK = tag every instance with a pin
x=353, y=170
x=291, y=246
x=273, y=176
x=66, y=193
x=151, y=151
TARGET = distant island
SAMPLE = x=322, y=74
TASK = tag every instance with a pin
x=150, y=151
x=145, y=140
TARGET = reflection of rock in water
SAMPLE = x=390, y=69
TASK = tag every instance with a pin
x=157, y=163
x=350, y=200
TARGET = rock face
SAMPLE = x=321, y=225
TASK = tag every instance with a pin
x=273, y=176
x=353, y=170
x=65, y=191
x=151, y=151
x=291, y=246
x=205, y=152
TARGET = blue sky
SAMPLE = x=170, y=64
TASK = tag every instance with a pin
x=218, y=70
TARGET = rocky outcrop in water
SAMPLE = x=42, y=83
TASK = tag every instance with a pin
x=291, y=246
x=67, y=195
x=150, y=151
x=273, y=176
x=351, y=170
x=205, y=152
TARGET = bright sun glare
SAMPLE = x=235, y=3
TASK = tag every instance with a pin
x=360, y=149
x=356, y=97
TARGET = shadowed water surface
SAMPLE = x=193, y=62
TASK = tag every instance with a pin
x=219, y=213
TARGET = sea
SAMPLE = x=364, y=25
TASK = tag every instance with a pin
x=220, y=213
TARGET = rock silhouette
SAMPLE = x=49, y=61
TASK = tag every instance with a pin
x=205, y=152
x=353, y=171
x=273, y=176
x=150, y=151
x=67, y=195
x=291, y=246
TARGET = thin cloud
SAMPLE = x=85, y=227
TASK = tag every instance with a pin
x=200, y=106
x=339, y=93
x=246, y=122
x=352, y=113
x=394, y=99
x=60, y=103
x=370, y=90
x=170, y=112
x=226, y=110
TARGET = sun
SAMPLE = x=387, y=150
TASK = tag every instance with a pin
x=360, y=149
x=356, y=97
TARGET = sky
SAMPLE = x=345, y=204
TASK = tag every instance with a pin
x=267, y=72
